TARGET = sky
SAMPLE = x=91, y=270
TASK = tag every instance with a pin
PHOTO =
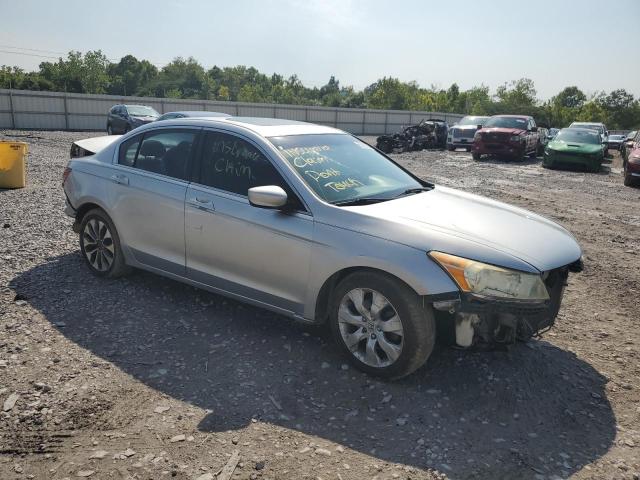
x=592, y=44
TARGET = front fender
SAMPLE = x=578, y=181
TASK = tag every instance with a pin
x=356, y=250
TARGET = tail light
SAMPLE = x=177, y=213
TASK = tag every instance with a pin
x=65, y=174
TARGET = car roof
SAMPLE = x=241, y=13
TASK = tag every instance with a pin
x=265, y=127
x=514, y=116
x=200, y=113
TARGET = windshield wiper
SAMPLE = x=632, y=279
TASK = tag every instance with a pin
x=411, y=191
x=360, y=201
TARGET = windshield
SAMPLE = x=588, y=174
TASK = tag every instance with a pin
x=590, y=126
x=141, y=111
x=341, y=168
x=507, y=122
x=571, y=135
x=473, y=121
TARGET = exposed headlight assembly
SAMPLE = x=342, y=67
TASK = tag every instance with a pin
x=491, y=281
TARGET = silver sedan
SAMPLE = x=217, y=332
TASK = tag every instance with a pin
x=313, y=223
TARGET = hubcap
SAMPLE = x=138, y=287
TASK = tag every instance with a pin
x=98, y=244
x=370, y=327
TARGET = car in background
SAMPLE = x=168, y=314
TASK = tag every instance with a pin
x=614, y=142
x=575, y=147
x=600, y=127
x=315, y=224
x=552, y=132
x=627, y=144
x=507, y=136
x=441, y=128
x=461, y=134
x=124, y=118
x=543, y=133
x=631, y=164
x=190, y=114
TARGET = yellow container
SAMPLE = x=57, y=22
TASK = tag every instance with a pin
x=13, y=164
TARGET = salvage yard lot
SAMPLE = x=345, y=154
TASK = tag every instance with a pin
x=147, y=378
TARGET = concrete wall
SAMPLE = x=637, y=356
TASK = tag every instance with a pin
x=24, y=109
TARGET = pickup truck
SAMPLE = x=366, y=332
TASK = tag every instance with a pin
x=508, y=136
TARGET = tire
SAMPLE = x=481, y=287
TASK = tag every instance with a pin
x=450, y=148
x=101, y=248
x=540, y=150
x=109, y=129
x=127, y=129
x=475, y=156
x=409, y=339
x=628, y=179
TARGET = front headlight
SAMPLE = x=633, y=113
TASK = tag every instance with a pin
x=491, y=281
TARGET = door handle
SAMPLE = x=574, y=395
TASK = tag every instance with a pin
x=121, y=179
x=201, y=203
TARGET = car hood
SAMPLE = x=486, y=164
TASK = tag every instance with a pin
x=569, y=147
x=465, y=127
x=471, y=226
x=512, y=131
x=144, y=119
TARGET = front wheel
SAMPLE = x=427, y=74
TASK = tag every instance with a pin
x=100, y=245
x=381, y=325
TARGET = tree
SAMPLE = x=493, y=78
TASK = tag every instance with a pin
x=129, y=76
x=570, y=97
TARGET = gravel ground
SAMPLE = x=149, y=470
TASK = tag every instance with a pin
x=147, y=378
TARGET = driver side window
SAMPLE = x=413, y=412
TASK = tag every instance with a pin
x=234, y=165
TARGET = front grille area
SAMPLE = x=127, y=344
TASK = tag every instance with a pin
x=463, y=133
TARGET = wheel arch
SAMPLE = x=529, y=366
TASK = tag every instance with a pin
x=323, y=300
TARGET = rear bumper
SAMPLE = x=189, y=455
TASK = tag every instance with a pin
x=490, y=321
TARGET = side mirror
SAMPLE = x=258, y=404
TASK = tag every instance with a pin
x=534, y=129
x=269, y=196
x=479, y=127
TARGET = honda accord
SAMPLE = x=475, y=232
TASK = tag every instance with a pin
x=313, y=223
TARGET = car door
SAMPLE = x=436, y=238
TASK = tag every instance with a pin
x=120, y=119
x=150, y=183
x=254, y=253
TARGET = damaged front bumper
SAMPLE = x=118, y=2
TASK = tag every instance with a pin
x=488, y=321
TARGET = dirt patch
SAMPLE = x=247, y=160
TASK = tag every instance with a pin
x=144, y=377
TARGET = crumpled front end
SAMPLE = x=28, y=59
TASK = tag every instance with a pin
x=485, y=322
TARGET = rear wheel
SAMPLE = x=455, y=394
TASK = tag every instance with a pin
x=100, y=245
x=381, y=325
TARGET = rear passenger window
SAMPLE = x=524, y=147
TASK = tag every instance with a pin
x=165, y=152
x=128, y=151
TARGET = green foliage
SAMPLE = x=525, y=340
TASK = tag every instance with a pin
x=186, y=78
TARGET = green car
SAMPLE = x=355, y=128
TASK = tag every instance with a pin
x=575, y=147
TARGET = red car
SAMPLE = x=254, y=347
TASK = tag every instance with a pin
x=510, y=136
x=631, y=164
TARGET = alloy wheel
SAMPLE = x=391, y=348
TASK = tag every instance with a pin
x=98, y=246
x=370, y=327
